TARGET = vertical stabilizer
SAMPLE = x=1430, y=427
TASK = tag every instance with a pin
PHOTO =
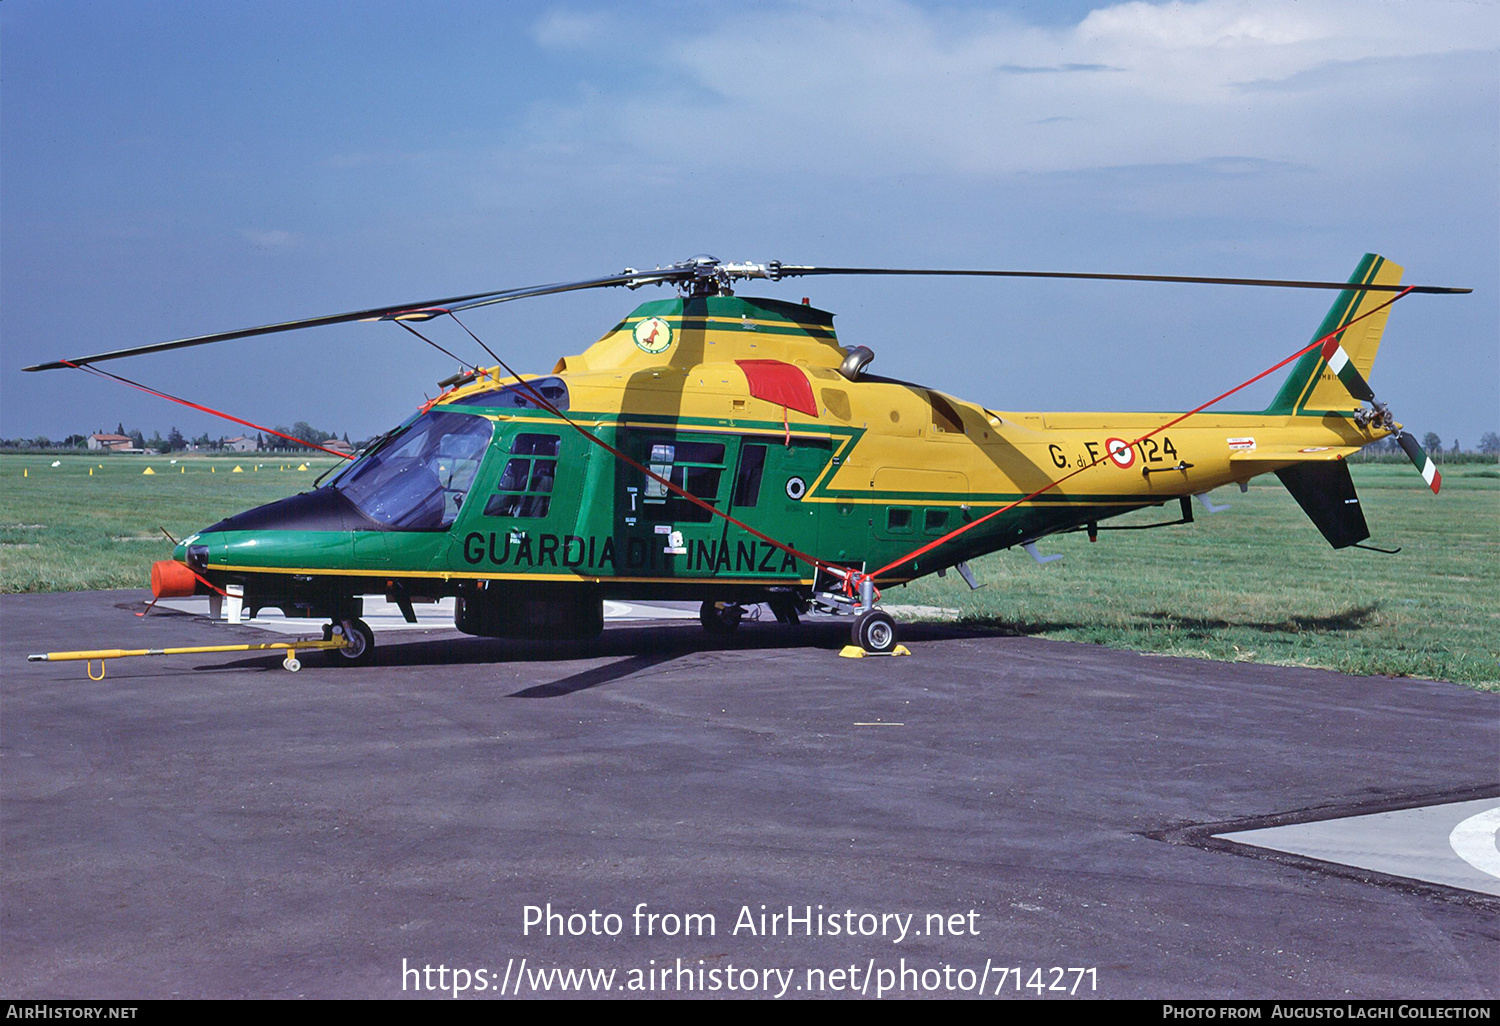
x=1312, y=388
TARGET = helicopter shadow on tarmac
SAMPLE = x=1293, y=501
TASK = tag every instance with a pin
x=636, y=648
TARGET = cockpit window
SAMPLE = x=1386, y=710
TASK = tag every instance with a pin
x=418, y=481
x=519, y=397
x=525, y=486
x=693, y=466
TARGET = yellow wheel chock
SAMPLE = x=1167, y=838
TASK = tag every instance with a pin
x=855, y=652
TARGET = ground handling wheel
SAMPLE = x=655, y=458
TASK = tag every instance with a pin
x=360, y=651
x=720, y=618
x=874, y=631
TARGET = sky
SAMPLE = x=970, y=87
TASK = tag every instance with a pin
x=177, y=168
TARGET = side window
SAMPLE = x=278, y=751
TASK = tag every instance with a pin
x=934, y=521
x=535, y=445
x=898, y=519
x=514, y=477
x=525, y=485
x=695, y=467
x=747, y=480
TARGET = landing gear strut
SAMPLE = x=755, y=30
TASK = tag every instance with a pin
x=874, y=631
x=359, y=648
x=786, y=607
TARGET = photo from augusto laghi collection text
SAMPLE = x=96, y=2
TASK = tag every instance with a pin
x=888, y=973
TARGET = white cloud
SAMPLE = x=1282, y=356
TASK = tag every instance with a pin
x=566, y=30
x=1216, y=23
x=889, y=88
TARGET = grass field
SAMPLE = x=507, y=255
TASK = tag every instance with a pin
x=1256, y=583
x=64, y=530
x=1259, y=583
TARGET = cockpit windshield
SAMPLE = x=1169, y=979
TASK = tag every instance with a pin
x=418, y=480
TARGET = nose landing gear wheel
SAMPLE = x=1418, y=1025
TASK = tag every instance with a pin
x=720, y=618
x=874, y=631
x=360, y=650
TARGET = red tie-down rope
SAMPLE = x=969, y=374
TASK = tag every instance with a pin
x=543, y=402
x=852, y=579
x=206, y=409
x=1175, y=420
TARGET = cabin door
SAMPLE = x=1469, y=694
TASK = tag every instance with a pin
x=658, y=533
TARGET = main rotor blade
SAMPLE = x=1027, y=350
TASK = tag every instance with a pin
x=792, y=271
x=634, y=279
x=418, y=311
x=698, y=269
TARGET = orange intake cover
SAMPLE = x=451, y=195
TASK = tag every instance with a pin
x=171, y=579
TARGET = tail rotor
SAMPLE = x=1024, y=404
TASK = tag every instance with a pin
x=1378, y=416
x=1421, y=461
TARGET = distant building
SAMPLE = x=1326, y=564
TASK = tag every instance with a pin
x=339, y=446
x=241, y=444
x=111, y=443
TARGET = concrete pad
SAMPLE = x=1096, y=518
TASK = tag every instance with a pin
x=386, y=616
x=1414, y=843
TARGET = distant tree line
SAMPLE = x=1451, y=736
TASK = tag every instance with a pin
x=1389, y=450
x=176, y=441
x=303, y=430
x=1379, y=452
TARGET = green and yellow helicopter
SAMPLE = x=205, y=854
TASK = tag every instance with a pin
x=728, y=450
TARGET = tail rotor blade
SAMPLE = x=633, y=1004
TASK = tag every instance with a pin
x=1421, y=460
x=1338, y=361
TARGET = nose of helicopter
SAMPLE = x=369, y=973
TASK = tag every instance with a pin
x=322, y=509
x=312, y=528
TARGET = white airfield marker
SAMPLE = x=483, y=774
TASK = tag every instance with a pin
x=1474, y=841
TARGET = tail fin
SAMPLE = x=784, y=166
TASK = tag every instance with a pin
x=1312, y=389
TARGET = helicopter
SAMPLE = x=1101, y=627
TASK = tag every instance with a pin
x=728, y=450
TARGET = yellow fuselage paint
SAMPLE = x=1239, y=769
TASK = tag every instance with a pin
x=945, y=449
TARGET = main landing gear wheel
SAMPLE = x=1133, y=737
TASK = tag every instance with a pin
x=360, y=651
x=874, y=631
x=720, y=618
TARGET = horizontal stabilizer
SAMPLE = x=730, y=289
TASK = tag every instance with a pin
x=1312, y=454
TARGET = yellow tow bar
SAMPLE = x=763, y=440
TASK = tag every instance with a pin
x=291, y=662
